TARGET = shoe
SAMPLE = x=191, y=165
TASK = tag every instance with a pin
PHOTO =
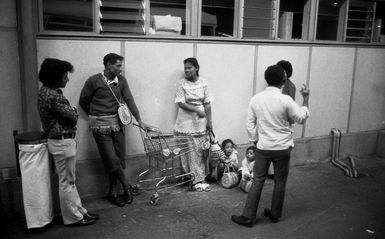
x=197, y=187
x=267, y=213
x=91, y=215
x=128, y=197
x=115, y=199
x=244, y=221
x=134, y=190
x=84, y=222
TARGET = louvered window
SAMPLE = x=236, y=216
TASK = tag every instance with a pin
x=360, y=21
x=122, y=16
x=259, y=19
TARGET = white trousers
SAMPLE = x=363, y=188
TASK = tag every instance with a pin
x=64, y=152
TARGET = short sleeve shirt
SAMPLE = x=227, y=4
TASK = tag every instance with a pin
x=196, y=93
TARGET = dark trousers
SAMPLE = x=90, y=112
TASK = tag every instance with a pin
x=263, y=158
x=111, y=148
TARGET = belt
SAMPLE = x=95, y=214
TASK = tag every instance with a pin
x=64, y=136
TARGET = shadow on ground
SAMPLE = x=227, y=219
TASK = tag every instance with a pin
x=320, y=202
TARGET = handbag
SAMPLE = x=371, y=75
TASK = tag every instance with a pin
x=245, y=185
x=123, y=111
x=229, y=179
x=216, y=152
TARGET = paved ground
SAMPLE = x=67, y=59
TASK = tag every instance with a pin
x=321, y=203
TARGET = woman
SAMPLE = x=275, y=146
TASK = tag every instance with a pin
x=194, y=98
x=59, y=120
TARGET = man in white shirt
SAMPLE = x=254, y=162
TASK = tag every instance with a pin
x=268, y=126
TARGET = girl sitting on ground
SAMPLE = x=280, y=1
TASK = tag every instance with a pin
x=230, y=160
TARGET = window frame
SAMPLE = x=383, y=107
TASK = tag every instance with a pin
x=193, y=26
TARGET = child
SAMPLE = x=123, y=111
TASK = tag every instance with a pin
x=246, y=170
x=230, y=160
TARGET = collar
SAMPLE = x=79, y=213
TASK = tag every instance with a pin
x=110, y=82
x=273, y=88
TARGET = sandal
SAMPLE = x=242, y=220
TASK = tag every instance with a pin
x=206, y=187
x=198, y=187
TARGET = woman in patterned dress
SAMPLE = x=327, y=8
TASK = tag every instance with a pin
x=194, y=98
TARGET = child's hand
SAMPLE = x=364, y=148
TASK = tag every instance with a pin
x=247, y=176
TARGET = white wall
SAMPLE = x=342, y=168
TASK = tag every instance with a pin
x=368, y=104
x=153, y=68
x=331, y=73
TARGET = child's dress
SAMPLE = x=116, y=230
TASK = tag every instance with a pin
x=246, y=168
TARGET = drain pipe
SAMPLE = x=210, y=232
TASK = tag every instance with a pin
x=353, y=166
x=336, y=133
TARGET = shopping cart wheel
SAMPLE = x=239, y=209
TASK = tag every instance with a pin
x=154, y=199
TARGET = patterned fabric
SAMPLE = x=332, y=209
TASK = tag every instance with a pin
x=105, y=124
x=58, y=117
x=195, y=162
x=196, y=93
x=232, y=159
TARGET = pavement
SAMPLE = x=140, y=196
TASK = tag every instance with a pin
x=321, y=202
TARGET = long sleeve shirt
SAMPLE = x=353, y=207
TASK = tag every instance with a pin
x=97, y=99
x=268, y=117
x=57, y=116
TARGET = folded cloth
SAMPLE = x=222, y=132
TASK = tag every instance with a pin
x=167, y=23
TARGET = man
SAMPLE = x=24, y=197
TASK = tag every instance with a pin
x=59, y=120
x=268, y=123
x=289, y=87
x=98, y=99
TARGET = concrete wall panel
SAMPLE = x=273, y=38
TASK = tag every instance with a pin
x=153, y=70
x=368, y=111
x=229, y=70
x=330, y=86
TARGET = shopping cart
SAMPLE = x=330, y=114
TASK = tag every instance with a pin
x=163, y=151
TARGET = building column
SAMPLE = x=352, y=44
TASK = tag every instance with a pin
x=27, y=27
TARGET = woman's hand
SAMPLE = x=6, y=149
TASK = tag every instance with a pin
x=209, y=125
x=200, y=113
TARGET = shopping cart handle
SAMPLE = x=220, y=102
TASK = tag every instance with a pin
x=147, y=129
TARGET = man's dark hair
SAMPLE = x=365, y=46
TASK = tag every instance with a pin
x=286, y=65
x=52, y=71
x=112, y=58
x=275, y=75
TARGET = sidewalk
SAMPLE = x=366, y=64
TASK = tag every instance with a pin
x=320, y=203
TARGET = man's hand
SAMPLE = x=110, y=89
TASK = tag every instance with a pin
x=305, y=92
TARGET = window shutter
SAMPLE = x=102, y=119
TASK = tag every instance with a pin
x=122, y=16
x=259, y=19
x=360, y=21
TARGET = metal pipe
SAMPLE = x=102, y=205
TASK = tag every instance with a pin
x=336, y=151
